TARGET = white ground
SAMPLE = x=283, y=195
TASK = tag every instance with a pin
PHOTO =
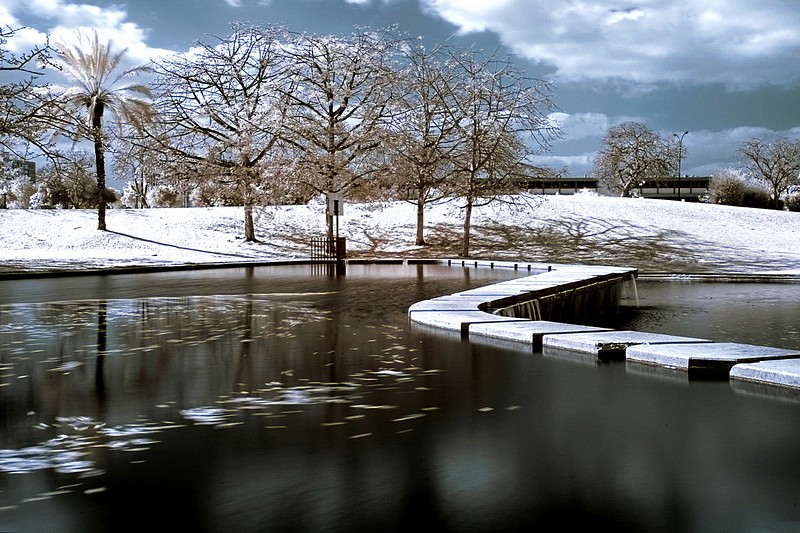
x=652, y=235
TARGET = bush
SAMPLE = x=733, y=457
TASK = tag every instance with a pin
x=755, y=197
x=163, y=196
x=727, y=188
x=730, y=187
x=793, y=203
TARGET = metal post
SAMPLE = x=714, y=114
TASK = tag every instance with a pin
x=336, y=214
x=680, y=158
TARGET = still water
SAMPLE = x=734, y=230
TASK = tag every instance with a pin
x=284, y=399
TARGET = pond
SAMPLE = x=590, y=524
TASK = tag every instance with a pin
x=285, y=399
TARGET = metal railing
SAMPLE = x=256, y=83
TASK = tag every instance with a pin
x=324, y=249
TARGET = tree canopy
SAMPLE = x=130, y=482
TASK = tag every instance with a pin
x=632, y=154
x=264, y=115
x=20, y=123
x=776, y=163
x=224, y=105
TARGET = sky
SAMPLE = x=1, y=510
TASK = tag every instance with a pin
x=722, y=70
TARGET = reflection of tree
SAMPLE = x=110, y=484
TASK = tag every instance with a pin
x=244, y=373
x=102, y=339
x=186, y=350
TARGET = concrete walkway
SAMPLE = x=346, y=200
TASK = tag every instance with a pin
x=473, y=314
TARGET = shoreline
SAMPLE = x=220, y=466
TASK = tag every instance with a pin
x=696, y=277
x=660, y=238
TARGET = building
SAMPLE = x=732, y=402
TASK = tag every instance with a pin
x=9, y=162
x=687, y=188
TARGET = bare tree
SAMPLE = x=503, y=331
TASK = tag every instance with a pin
x=423, y=129
x=223, y=105
x=19, y=124
x=776, y=163
x=140, y=164
x=339, y=107
x=30, y=63
x=632, y=154
x=99, y=85
x=501, y=120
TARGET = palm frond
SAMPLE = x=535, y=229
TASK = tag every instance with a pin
x=139, y=89
x=93, y=66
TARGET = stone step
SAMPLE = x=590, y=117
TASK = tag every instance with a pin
x=708, y=360
x=784, y=372
x=609, y=345
x=528, y=331
x=460, y=315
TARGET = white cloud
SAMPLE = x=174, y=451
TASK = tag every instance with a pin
x=575, y=165
x=739, y=43
x=584, y=125
x=66, y=18
x=24, y=38
x=367, y=2
x=624, y=14
x=707, y=150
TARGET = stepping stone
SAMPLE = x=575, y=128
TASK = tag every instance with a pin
x=528, y=332
x=454, y=302
x=496, y=291
x=608, y=345
x=778, y=372
x=458, y=320
x=708, y=360
x=436, y=331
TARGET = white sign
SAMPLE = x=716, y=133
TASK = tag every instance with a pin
x=335, y=203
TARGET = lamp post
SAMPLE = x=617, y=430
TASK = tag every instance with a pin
x=680, y=158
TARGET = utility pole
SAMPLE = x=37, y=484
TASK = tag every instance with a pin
x=680, y=158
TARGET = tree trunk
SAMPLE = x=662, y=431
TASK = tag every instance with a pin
x=249, y=227
x=467, y=225
x=100, y=164
x=420, y=220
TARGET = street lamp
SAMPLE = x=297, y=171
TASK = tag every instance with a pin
x=680, y=158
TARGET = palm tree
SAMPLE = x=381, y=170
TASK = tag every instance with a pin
x=98, y=86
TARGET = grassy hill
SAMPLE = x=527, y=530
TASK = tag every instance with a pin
x=652, y=235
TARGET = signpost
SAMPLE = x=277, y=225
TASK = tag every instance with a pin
x=335, y=209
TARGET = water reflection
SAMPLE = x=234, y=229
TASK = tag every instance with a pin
x=766, y=314
x=307, y=403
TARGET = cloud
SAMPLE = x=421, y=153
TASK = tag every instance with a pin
x=584, y=125
x=66, y=18
x=739, y=43
x=582, y=134
x=575, y=165
x=707, y=150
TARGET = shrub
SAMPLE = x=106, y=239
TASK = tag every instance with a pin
x=730, y=187
x=756, y=197
x=793, y=203
x=726, y=188
x=163, y=196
